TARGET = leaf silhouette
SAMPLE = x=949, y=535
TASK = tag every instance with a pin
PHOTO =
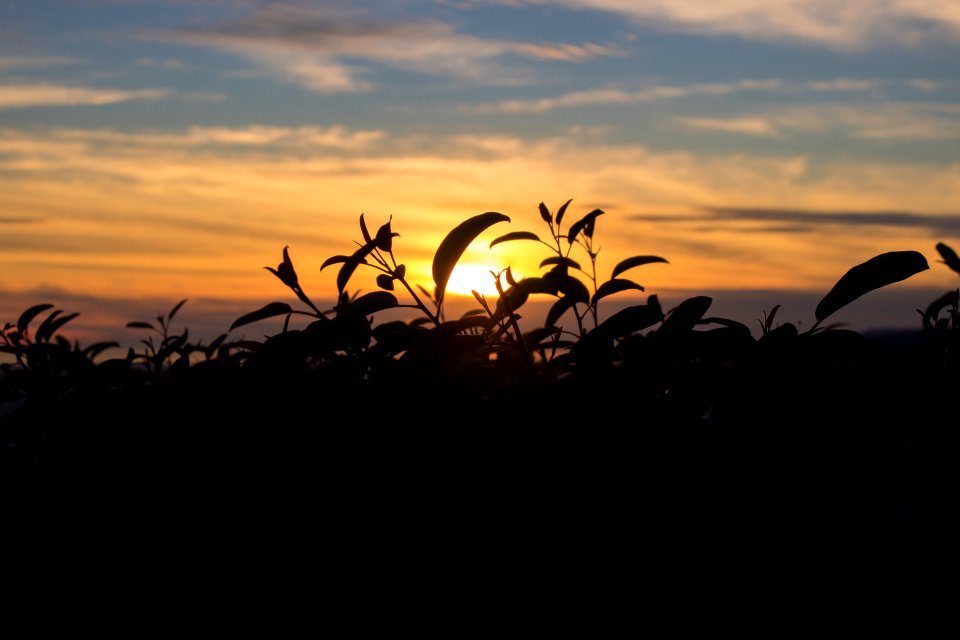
x=267, y=311
x=634, y=261
x=366, y=232
x=350, y=264
x=560, y=260
x=514, y=235
x=557, y=309
x=384, y=281
x=545, y=213
x=27, y=316
x=456, y=242
x=176, y=308
x=876, y=272
x=615, y=286
x=333, y=260
x=49, y=326
x=685, y=316
x=371, y=303
x=584, y=224
x=138, y=324
x=562, y=210
x=949, y=256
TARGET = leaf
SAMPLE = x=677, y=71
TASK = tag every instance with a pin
x=949, y=299
x=560, y=260
x=268, y=311
x=371, y=303
x=876, y=272
x=333, y=260
x=583, y=224
x=518, y=295
x=545, y=213
x=384, y=239
x=514, y=235
x=27, y=316
x=684, y=316
x=563, y=210
x=136, y=324
x=630, y=320
x=949, y=256
x=632, y=262
x=557, y=309
x=351, y=264
x=510, y=279
x=49, y=326
x=363, y=229
x=385, y=282
x=615, y=285
x=574, y=289
x=176, y=308
x=456, y=242
x=480, y=299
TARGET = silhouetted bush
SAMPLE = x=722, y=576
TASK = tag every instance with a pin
x=673, y=412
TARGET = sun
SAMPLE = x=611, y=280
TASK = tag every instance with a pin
x=476, y=277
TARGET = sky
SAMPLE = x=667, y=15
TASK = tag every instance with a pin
x=153, y=151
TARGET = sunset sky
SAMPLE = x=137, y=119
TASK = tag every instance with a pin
x=152, y=151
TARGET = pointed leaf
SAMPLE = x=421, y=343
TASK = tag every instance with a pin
x=583, y=224
x=632, y=262
x=136, y=324
x=481, y=300
x=49, y=326
x=560, y=260
x=363, y=229
x=573, y=288
x=562, y=210
x=514, y=235
x=268, y=311
x=685, y=316
x=371, y=303
x=456, y=242
x=615, y=285
x=510, y=279
x=949, y=256
x=545, y=213
x=384, y=238
x=876, y=272
x=176, y=308
x=629, y=320
x=326, y=263
x=351, y=264
x=557, y=309
x=29, y=315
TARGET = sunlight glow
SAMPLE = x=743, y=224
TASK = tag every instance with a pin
x=470, y=277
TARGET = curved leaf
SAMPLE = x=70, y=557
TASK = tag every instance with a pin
x=456, y=242
x=545, y=213
x=560, y=260
x=949, y=256
x=615, y=286
x=267, y=311
x=562, y=210
x=366, y=232
x=514, y=235
x=137, y=324
x=632, y=262
x=29, y=315
x=351, y=264
x=49, y=326
x=685, y=316
x=331, y=260
x=371, y=303
x=573, y=288
x=876, y=272
x=176, y=308
x=385, y=282
x=630, y=320
x=584, y=224
x=557, y=309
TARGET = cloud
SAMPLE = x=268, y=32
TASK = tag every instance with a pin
x=824, y=23
x=323, y=48
x=333, y=137
x=8, y=63
x=18, y=96
x=595, y=97
x=748, y=126
x=893, y=121
x=801, y=220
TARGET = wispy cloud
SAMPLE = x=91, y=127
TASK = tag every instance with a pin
x=8, y=63
x=806, y=221
x=594, y=97
x=748, y=126
x=334, y=137
x=893, y=121
x=18, y=96
x=836, y=25
x=323, y=48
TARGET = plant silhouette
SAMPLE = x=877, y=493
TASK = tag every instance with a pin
x=824, y=423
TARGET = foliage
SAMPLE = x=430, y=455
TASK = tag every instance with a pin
x=701, y=391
